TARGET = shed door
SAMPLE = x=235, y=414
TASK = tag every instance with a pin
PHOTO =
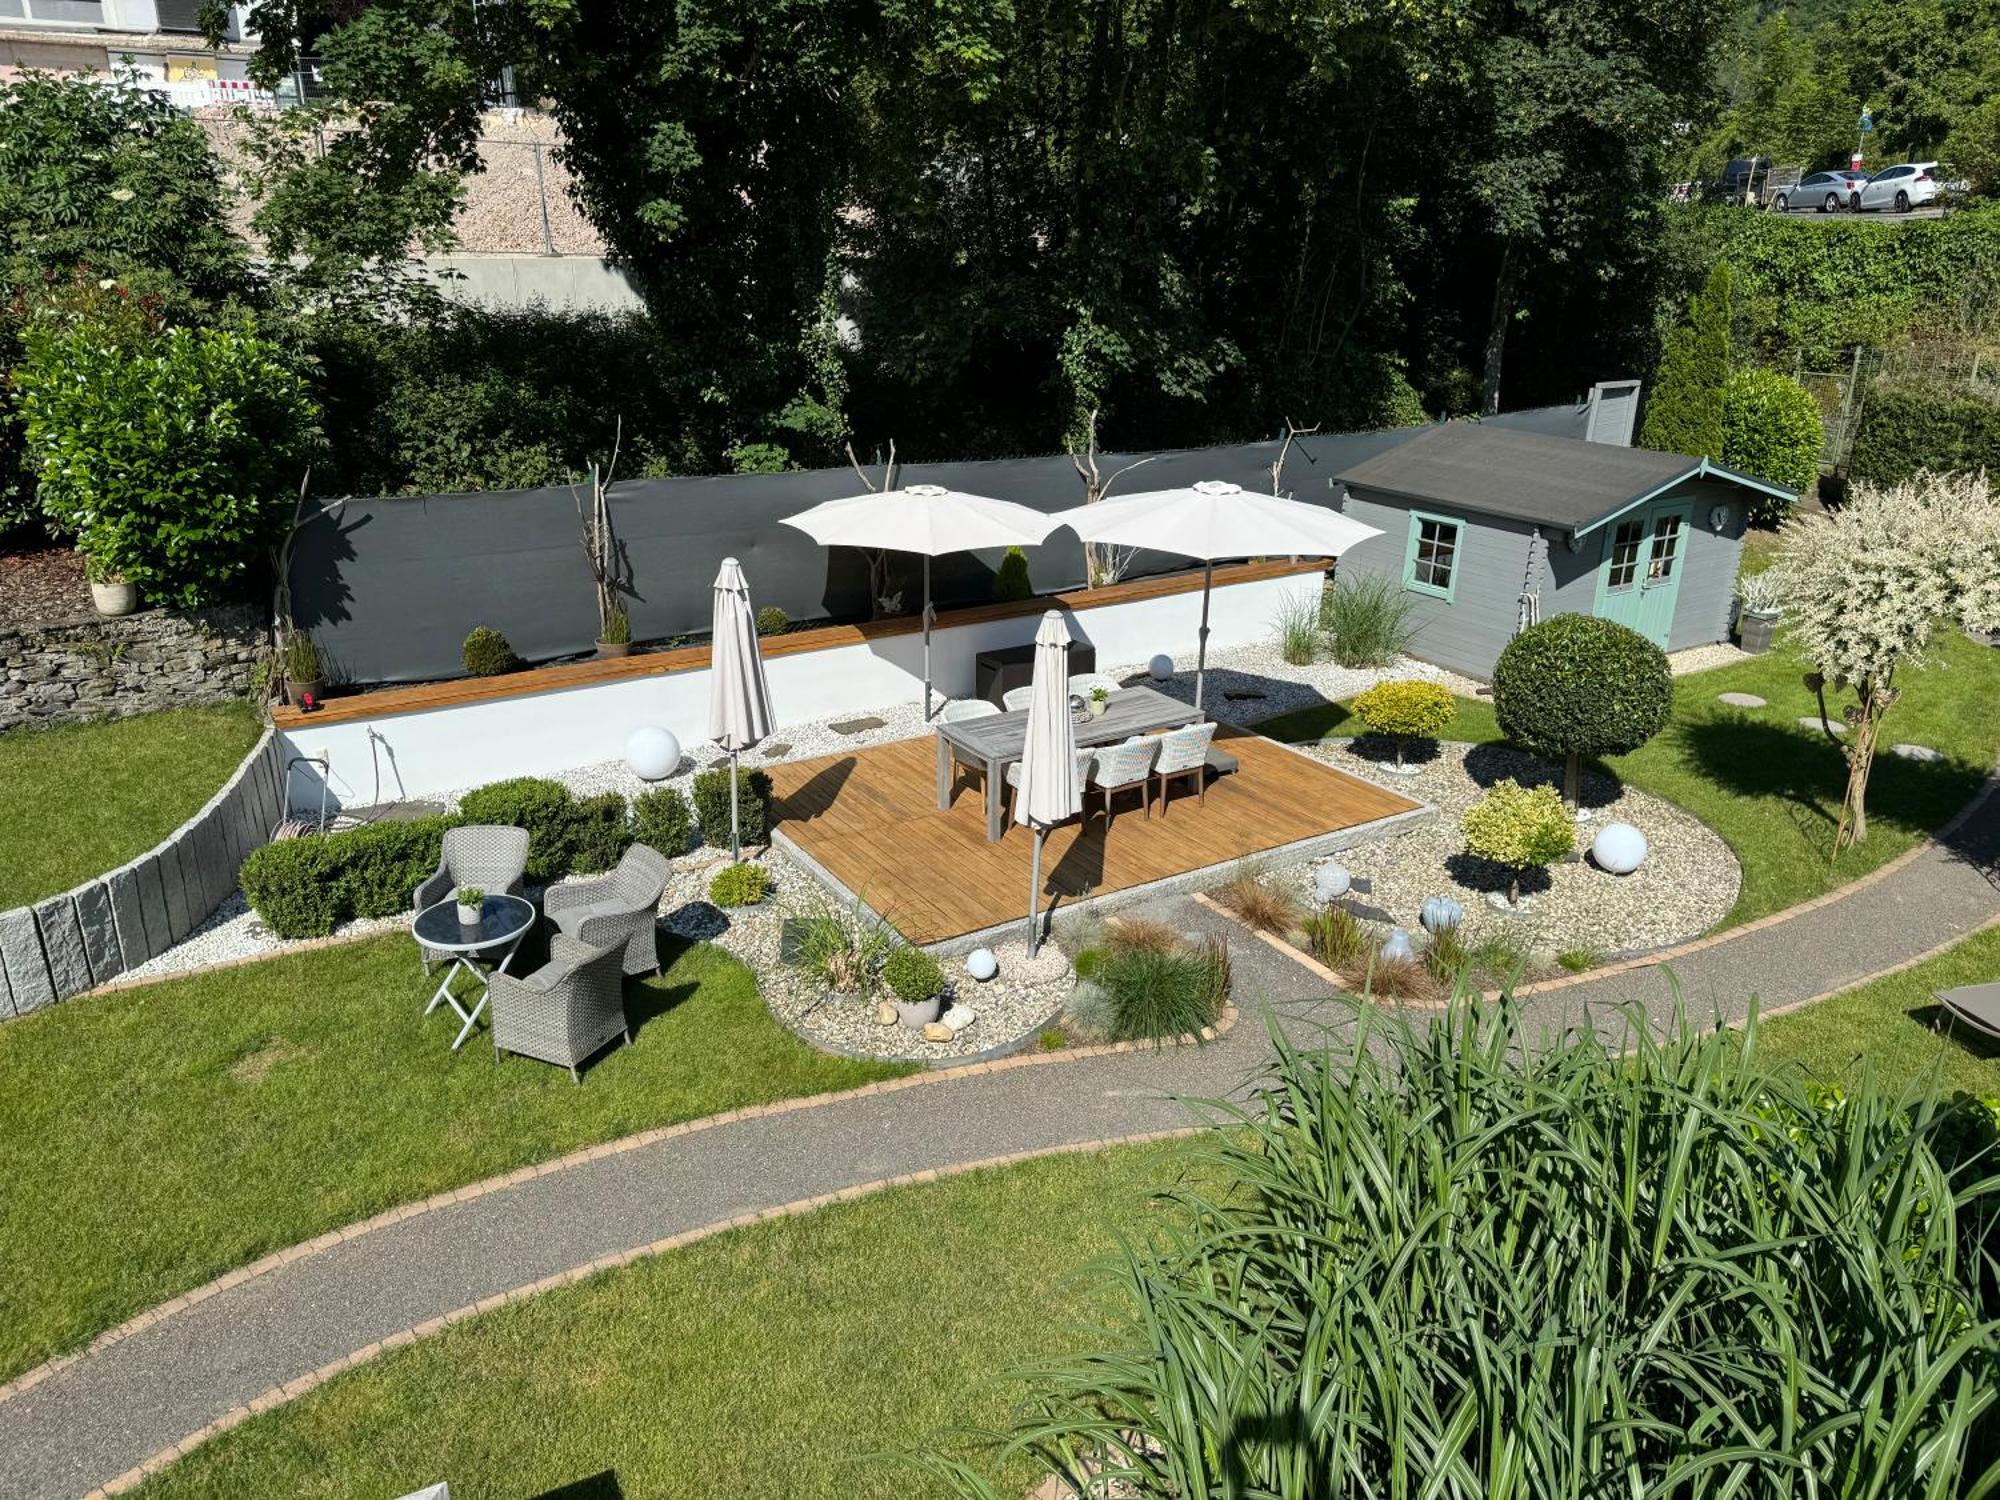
x=1640, y=576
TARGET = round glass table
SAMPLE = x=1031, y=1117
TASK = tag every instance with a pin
x=503, y=921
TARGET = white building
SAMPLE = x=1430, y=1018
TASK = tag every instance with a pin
x=161, y=39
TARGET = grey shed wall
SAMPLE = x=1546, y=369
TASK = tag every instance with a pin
x=1708, y=568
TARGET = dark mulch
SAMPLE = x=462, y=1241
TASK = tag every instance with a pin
x=43, y=587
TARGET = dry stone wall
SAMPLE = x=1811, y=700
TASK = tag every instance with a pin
x=79, y=670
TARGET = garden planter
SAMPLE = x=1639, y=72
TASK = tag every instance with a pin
x=295, y=692
x=114, y=597
x=1097, y=707
x=1757, y=629
x=468, y=916
x=918, y=1014
x=614, y=648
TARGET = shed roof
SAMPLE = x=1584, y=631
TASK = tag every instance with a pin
x=1530, y=476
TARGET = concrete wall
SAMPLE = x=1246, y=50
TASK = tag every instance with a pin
x=451, y=748
x=110, y=669
x=69, y=943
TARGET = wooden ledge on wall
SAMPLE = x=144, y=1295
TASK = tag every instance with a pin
x=387, y=702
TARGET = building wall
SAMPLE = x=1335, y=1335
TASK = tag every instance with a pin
x=1708, y=569
x=111, y=669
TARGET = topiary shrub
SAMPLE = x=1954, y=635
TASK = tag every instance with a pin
x=1576, y=685
x=1771, y=429
x=662, y=820
x=306, y=887
x=1408, y=709
x=739, y=885
x=487, y=654
x=913, y=975
x=544, y=807
x=772, y=620
x=753, y=802
x=1684, y=411
x=600, y=832
x=1011, y=583
x=1522, y=828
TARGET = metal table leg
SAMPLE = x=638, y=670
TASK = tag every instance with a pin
x=944, y=777
x=485, y=989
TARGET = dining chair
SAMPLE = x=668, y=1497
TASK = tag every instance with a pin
x=1184, y=752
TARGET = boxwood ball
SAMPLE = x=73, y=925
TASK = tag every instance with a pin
x=652, y=752
x=1619, y=848
x=1161, y=667
x=981, y=964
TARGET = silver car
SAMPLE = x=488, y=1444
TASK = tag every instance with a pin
x=1901, y=187
x=1826, y=192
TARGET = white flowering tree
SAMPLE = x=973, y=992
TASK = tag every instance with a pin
x=1868, y=587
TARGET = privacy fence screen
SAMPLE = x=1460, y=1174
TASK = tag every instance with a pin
x=389, y=588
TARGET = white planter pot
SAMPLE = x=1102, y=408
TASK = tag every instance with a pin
x=918, y=1015
x=114, y=597
x=468, y=916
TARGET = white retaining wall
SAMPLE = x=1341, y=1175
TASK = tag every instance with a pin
x=451, y=748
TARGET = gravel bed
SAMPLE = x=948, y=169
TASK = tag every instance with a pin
x=1688, y=883
x=1703, y=658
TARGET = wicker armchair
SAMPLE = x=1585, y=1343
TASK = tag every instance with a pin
x=1184, y=752
x=564, y=1012
x=488, y=855
x=616, y=909
x=1118, y=768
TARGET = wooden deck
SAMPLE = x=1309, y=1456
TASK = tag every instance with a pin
x=870, y=819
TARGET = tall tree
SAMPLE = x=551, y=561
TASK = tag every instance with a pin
x=1685, y=412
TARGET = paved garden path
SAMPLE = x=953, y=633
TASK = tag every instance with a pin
x=94, y=1420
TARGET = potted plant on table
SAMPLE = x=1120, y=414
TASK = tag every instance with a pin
x=1763, y=596
x=1100, y=700
x=471, y=902
x=916, y=984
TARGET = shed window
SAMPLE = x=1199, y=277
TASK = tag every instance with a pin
x=1625, y=543
x=1666, y=548
x=1432, y=564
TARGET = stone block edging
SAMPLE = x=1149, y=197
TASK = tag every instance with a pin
x=86, y=937
x=277, y=1259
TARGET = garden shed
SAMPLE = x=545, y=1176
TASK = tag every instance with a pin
x=1487, y=529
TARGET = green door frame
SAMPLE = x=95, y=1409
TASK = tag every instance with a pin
x=1645, y=599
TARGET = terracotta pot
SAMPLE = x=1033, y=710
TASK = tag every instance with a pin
x=295, y=692
x=614, y=648
x=114, y=597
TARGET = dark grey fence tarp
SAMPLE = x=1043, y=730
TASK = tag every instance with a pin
x=389, y=588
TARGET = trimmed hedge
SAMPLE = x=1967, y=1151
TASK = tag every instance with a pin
x=753, y=804
x=306, y=887
x=1904, y=428
x=1578, y=685
x=547, y=809
x=662, y=820
x=1771, y=429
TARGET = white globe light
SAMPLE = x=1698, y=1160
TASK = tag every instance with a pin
x=981, y=964
x=1331, y=882
x=1619, y=848
x=652, y=752
x=1161, y=667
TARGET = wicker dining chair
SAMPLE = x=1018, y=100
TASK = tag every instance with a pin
x=1083, y=760
x=491, y=856
x=1118, y=768
x=566, y=1011
x=958, y=711
x=621, y=908
x=1184, y=752
x=1018, y=698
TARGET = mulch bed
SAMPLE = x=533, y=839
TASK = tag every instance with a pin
x=43, y=587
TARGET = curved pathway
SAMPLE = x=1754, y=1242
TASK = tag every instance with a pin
x=196, y=1366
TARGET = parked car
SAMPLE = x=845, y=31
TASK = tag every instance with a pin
x=1825, y=192
x=1901, y=187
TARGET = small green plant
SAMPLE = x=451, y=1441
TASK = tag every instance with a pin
x=471, y=895
x=301, y=658
x=662, y=820
x=1100, y=694
x=739, y=885
x=913, y=975
x=772, y=620
x=1520, y=828
x=1335, y=936
x=1367, y=621
x=617, y=629
x=1446, y=956
x=1409, y=709
x=1051, y=1039
x=1501, y=955
x=753, y=801
x=843, y=952
x=486, y=653
x=1298, y=629
x=1578, y=960
x=1010, y=580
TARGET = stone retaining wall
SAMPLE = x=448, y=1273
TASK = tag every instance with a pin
x=72, y=942
x=108, y=669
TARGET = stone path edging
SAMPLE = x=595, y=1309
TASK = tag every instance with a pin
x=28, y=1379
x=293, y=1389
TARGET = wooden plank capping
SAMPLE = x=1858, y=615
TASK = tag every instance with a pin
x=387, y=702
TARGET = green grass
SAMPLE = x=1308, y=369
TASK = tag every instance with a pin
x=161, y=1136
x=1760, y=550
x=1897, y=1025
x=1772, y=788
x=769, y=1361
x=79, y=799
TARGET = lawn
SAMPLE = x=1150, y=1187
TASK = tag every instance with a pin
x=167, y=1134
x=1896, y=1024
x=1773, y=788
x=79, y=799
x=769, y=1361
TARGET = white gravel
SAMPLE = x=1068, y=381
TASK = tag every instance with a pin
x=1702, y=658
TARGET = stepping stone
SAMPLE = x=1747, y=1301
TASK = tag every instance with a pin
x=1245, y=695
x=1923, y=753
x=1741, y=700
x=773, y=752
x=857, y=726
x=1811, y=722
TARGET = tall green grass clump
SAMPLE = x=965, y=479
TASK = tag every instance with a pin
x=1367, y=621
x=1298, y=629
x=1472, y=1261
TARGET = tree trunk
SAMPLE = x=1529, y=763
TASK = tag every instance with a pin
x=1853, y=829
x=1504, y=284
x=1572, y=780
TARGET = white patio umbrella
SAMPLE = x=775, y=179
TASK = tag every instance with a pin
x=1049, y=791
x=1213, y=520
x=739, y=704
x=925, y=518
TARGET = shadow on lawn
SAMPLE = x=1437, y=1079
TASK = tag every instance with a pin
x=600, y=1486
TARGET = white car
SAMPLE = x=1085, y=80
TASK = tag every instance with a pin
x=1901, y=187
x=1826, y=192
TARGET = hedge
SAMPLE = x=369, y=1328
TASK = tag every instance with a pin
x=753, y=804
x=1771, y=429
x=1904, y=428
x=306, y=887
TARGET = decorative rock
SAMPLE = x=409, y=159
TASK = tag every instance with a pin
x=1619, y=848
x=958, y=1018
x=1398, y=946
x=981, y=964
x=937, y=1031
x=776, y=750
x=1741, y=700
x=885, y=1014
x=1813, y=721
x=652, y=752
x=1330, y=882
x=1498, y=901
x=1441, y=913
x=1922, y=753
x=857, y=726
x=1161, y=667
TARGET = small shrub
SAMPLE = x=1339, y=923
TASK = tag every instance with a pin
x=1367, y=621
x=772, y=620
x=1763, y=593
x=1522, y=828
x=1298, y=629
x=600, y=832
x=1771, y=429
x=1259, y=903
x=1576, y=685
x=1408, y=709
x=913, y=975
x=1090, y=1011
x=739, y=885
x=1134, y=933
x=1010, y=580
x=617, y=629
x=1335, y=937
x=306, y=887
x=1156, y=995
x=1500, y=955
x=1578, y=960
x=486, y=653
x=662, y=820
x=544, y=807
x=1051, y=1039
x=753, y=801
x=1077, y=932
x=1091, y=961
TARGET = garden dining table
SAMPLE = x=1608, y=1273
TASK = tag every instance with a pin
x=997, y=740
x=503, y=921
